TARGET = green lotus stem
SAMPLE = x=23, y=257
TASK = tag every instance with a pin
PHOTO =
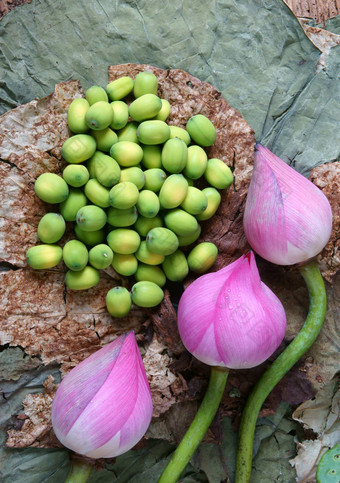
x=286, y=360
x=199, y=426
x=80, y=472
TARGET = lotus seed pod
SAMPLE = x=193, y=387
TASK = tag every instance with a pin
x=75, y=255
x=126, y=153
x=76, y=175
x=95, y=94
x=145, y=107
x=128, y=133
x=145, y=83
x=173, y=191
x=179, y=132
x=174, y=155
x=91, y=218
x=150, y=273
x=105, y=139
x=42, y=257
x=124, y=195
x=70, y=207
x=51, y=188
x=100, y=256
x=185, y=240
x=122, y=218
x=328, y=470
x=196, y=162
x=118, y=302
x=214, y=200
x=146, y=294
x=164, y=112
x=76, y=116
x=144, y=255
x=90, y=238
x=133, y=175
x=180, y=222
x=154, y=179
x=123, y=240
x=153, y=132
x=148, y=204
x=195, y=201
x=175, y=266
x=218, y=174
x=120, y=115
x=51, y=228
x=97, y=193
x=78, y=148
x=161, y=241
x=202, y=257
x=125, y=264
x=152, y=157
x=99, y=116
x=144, y=225
x=201, y=130
x=106, y=169
x=119, y=88
x=82, y=280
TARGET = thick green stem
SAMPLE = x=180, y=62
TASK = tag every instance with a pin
x=286, y=360
x=80, y=472
x=198, y=428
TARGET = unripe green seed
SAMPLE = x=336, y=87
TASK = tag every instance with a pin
x=144, y=225
x=91, y=218
x=51, y=188
x=153, y=132
x=75, y=255
x=180, y=222
x=123, y=240
x=175, y=266
x=95, y=94
x=179, y=132
x=82, y=280
x=118, y=302
x=90, y=238
x=154, y=179
x=99, y=116
x=145, y=107
x=106, y=170
x=129, y=132
x=125, y=264
x=161, y=241
x=190, y=181
x=202, y=257
x=42, y=257
x=144, y=255
x=174, y=155
x=76, y=115
x=145, y=83
x=119, y=88
x=90, y=165
x=51, y=228
x=126, y=153
x=133, y=175
x=148, y=204
x=150, y=273
x=100, y=256
x=124, y=195
x=195, y=201
x=201, y=130
x=152, y=157
x=173, y=191
x=218, y=174
x=76, y=175
x=196, y=162
x=70, y=207
x=185, y=240
x=120, y=115
x=78, y=148
x=164, y=112
x=146, y=294
x=105, y=139
x=214, y=200
x=122, y=218
x=97, y=193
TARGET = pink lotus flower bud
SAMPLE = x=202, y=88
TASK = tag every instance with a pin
x=287, y=219
x=230, y=318
x=103, y=407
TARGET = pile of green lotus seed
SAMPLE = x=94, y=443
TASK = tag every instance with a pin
x=130, y=182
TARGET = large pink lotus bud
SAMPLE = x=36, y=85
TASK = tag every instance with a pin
x=103, y=407
x=230, y=318
x=287, y=219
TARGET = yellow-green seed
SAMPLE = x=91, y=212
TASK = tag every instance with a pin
x=124, y=195
x=95, y=94
x=90, y=238
x=146, y=294
x=161, y=241
x=164, y=112
x=150, y=273
x=133, y=175
x=123, y=240
x=76, y=115
x=97, y=193
x=152, y=157
x=195, y=201
x=105, y=139
x=179, y=132
x=118, y=302
x=51, y=188
x=144, y=255
x=174, y=155
x=42, y=257
x=185, y=240
x=196, y=162
x=202, y=257
x=154, y=179
x=51, y=227
x=100, y=256
x=201, y=130
x=148, y=204
x=91, y=218
x=144, y=225
x=214, y=200
x=106, y=170
x=173, y=191
x=76, y=175
x=99, y=116
x=82, y=280
x=70, y=207
x=218, y=174
x=145, y=107
x=78, y=148
x=120, y=115
x=145, y=83
x=122, y=218
x=126, y=153
x=175, y=266
x=75, y=255
x=153, y=132
x=129, y=132
x=125, y=264
x=119, y=88
x=180, y=222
